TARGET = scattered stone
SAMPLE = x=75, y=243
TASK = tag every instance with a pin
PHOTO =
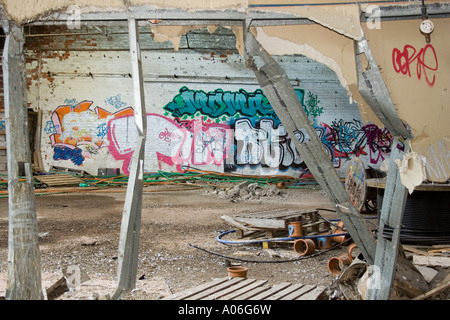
x=249, y=191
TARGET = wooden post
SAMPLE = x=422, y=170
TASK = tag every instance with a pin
x=131, y=219
x=24, y=266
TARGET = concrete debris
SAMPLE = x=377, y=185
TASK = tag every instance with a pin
x=249, y=191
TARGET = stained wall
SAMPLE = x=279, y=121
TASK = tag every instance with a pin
x=204, y=107
x=416, y=73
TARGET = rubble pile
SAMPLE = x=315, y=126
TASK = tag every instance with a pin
x=249, y=191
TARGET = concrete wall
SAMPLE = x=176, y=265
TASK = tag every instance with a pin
x=204, y=107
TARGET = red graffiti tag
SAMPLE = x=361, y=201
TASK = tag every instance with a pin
x=168, y=136
x=403, y=59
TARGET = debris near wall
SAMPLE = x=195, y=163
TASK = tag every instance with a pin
x=422, y=275
x=250, y=191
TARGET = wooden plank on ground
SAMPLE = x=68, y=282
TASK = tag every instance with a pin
x=191, y=291
x=236, y=294
x=438, y=289
x=263, y=223
x=414, y=250
x=313, y=294
x=278, y=214
x=54, y=180
x=205, y=293
x=273, y=290
x=272, y=213
x=251, y=293
x=248, y=289
x=242, y=284
x=297, y=293
x=280, y=294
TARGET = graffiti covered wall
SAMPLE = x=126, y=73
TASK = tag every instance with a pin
x=196, y=116
x=224, y=130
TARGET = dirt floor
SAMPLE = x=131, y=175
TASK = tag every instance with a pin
x=178, y=245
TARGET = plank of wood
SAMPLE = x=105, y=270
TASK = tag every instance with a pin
x=279, y=295
x=240, y=285
x=436, y=261
x=191, y=291
x=58, y=180
x=414, y=250
x=234, y=223
x=204, y=293
x=273, y=290
x=442, y=276
x=439, y=251
x=237, y=293
x=278, y=214
x=298, y=293
x=263, y=223
x=432, y=292
x=251, y=293
x=313, y=294
x=270, y=213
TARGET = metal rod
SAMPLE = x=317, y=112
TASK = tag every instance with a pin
x=391, y=215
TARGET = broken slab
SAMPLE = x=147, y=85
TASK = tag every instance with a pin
x=431, y=261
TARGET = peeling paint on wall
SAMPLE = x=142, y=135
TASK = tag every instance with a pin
x=408, y=65
x=412, y=170
x=423, y=73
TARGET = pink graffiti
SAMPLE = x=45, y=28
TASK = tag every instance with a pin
x=168, y=136
x=169, y=142
x=379, y=142
x=402, y=61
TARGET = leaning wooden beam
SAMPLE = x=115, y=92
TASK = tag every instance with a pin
x=24, y=265
x=276, y=86
x=131, y=219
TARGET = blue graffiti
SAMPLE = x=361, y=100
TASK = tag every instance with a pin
x=115, y=101
x=71, y=102
x=50, y=127
x=102, y=130
x=64, y=153
x=2, y=124
x=218, y=103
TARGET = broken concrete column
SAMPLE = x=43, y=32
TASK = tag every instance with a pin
x=24, y=266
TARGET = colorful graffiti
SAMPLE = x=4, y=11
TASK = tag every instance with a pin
x=229, y=130
x=170, y=142
x=351, y=138
x=402, y=61
x=218, y=103
x=77, y=132
x=312, y=107
x=268, y=144
x=260, y=138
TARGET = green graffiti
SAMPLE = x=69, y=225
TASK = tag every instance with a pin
x=219, y=103
x=312, y=108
